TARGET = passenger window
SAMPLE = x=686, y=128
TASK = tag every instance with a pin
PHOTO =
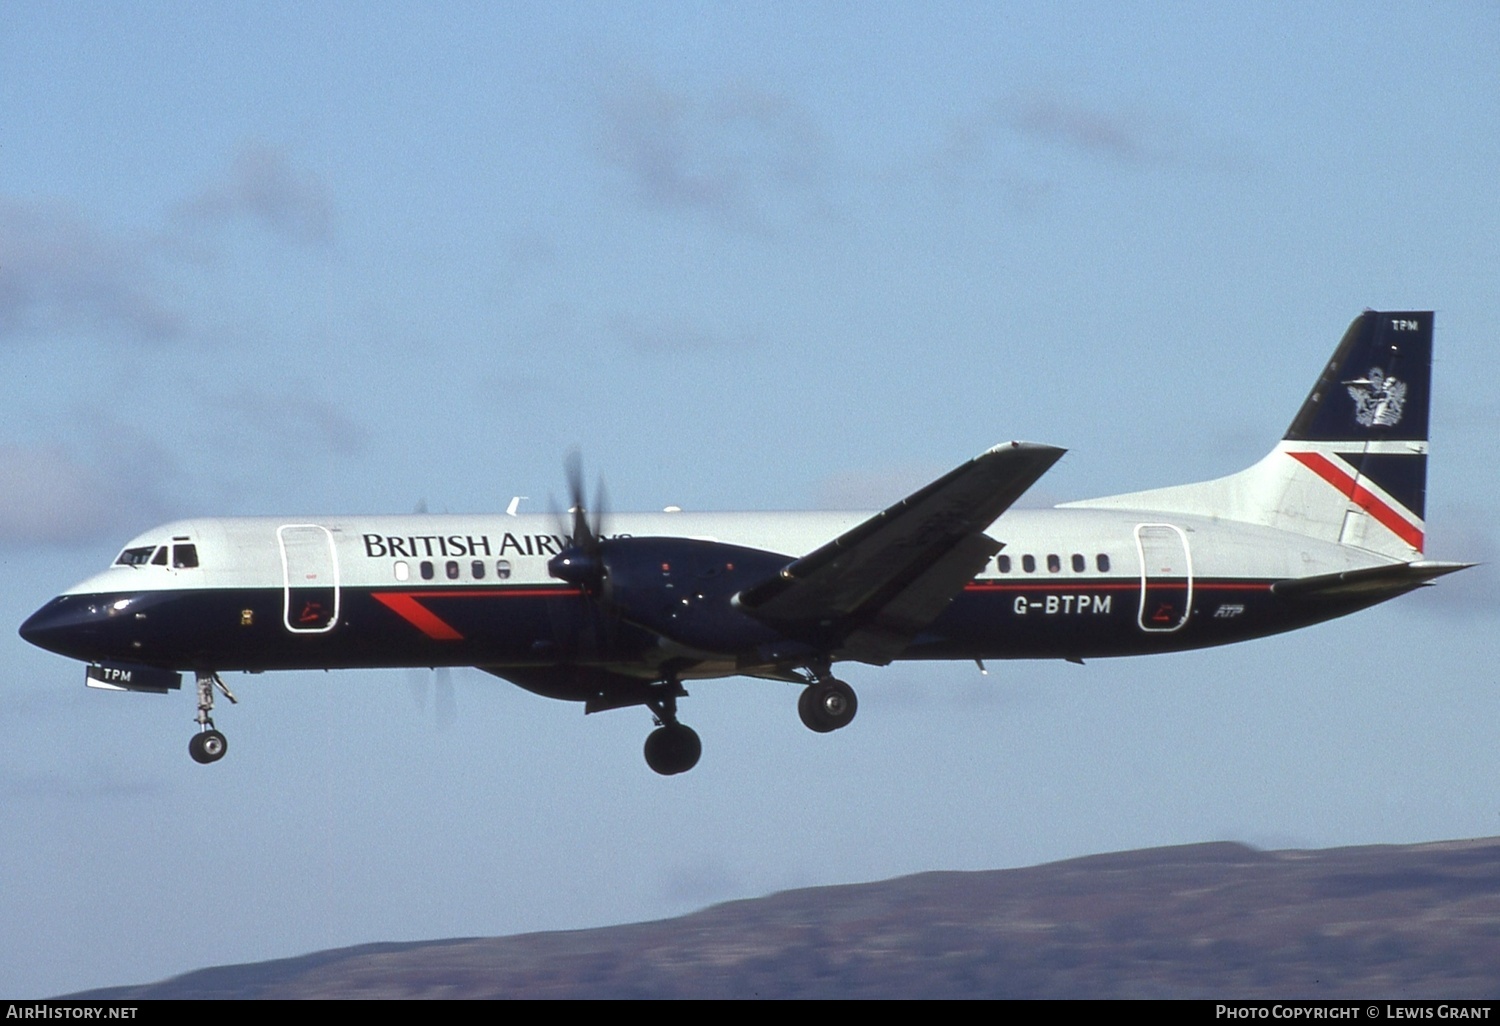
x=426, y=567
x=1028, y=563
x=1003, y=564
x=452, y=569
x=402, y=570
x=502, y=569
x=160, y=559
x=184, y=557
x=478, y=569
x=1079, y=563
x=1102, y=562
x=1054, y=564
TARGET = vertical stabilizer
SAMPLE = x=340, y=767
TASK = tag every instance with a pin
x=1352, y=468
x=1363, y=431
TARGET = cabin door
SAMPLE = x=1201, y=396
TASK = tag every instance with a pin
x=1166, y=577
x=310, y=566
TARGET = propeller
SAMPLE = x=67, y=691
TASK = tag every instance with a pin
x=627, y=581
x=439, y=683
x=579, y=563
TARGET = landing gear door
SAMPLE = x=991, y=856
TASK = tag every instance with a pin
x=1166, y=577
x=310, y=566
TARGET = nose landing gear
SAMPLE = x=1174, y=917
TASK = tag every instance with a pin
x=208, y=745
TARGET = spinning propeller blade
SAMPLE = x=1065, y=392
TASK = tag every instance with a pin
x=579, y=563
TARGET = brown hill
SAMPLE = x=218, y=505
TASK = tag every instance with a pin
x=1208, y=920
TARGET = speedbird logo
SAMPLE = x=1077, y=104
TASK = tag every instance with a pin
x=1377, y=399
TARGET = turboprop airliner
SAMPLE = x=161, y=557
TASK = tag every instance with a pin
x=1330, y=522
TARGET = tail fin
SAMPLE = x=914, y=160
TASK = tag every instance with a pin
x=1352, y=468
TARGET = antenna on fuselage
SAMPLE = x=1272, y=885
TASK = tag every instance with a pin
x=515, y=504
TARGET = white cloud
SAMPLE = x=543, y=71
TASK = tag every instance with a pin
x=296, y=421
x=1112, y=134
x=49, y=496
x=264, y=187
x=737, y=155
x=59, y=275
x=1027, y=142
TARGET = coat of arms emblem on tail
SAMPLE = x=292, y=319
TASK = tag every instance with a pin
x=1377, y=399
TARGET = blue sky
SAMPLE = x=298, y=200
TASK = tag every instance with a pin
x=345, y=257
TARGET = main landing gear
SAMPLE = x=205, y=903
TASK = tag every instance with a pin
x=827, y=705
x=672, y=747
x=208, y=745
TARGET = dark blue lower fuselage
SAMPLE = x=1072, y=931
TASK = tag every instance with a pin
x=527, y=626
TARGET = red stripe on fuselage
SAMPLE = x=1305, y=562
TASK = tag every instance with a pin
x=483, y=592
x=418, y=615
x=405, y=605
x=1361, y=497
x=1133, y=585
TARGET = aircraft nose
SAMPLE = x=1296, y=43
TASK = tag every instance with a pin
x=63, y=626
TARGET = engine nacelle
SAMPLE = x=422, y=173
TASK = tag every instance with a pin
x=682, y=589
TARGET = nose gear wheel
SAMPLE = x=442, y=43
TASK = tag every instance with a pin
x=209, y=745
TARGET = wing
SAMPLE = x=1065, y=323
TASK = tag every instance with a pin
x=598, y=688
x=873, y=589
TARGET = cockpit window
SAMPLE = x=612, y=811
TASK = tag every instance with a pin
x=136, y=557
x=178, y=556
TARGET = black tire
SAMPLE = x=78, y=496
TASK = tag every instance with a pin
x=673, y=749
x=208, y=746
x=809, y=713
x=827, y=705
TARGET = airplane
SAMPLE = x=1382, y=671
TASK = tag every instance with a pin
x=1331, y=521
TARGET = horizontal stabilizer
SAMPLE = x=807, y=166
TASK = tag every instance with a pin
x=1376, y=580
